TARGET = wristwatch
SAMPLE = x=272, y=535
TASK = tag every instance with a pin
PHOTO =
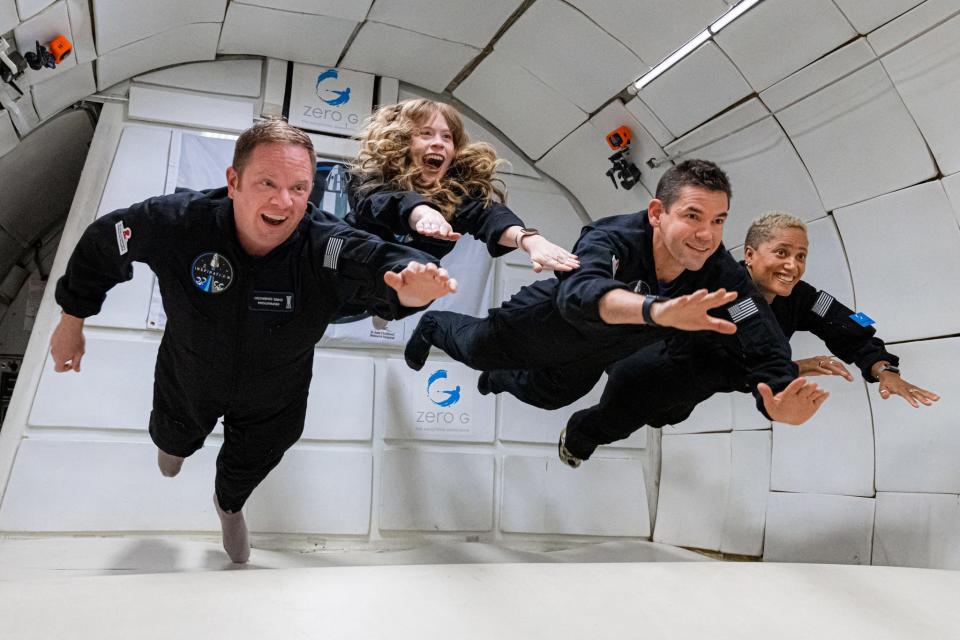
x=887, y=367
x=648, y=301
x=524, y=232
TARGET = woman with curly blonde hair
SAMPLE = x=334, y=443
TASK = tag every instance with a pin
x=418, y=176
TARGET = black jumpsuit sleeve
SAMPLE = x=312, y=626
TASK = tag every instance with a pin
x=103, y=258
x=486, y=224
x=383, y=212
x=829, y=320
x=759, y=341
x=358, y=260
x=580, y=290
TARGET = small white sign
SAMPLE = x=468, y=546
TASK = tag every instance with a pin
x=332, y=100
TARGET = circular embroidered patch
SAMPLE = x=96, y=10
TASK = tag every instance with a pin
x=212, y=272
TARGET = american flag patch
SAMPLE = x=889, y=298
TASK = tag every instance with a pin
x=822, y=305
x=743, y=310
x=332, y=256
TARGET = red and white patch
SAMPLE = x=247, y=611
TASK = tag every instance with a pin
x=123, y=234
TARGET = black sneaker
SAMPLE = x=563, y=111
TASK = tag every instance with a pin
x=566, y=457
x=418, y=346
x=483, y=383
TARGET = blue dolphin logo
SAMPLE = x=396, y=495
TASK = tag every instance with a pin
x=340, y=97
x=453, y=395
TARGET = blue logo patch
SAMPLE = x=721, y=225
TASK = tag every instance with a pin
x=333, y=97
x=862, y=319
x=448, y=397
x=211, y=272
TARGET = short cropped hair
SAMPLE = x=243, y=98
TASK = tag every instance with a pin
x=268, y=131
x=691, y=173
x=763, y=228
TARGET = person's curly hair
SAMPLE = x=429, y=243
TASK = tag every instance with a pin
x=384, y=157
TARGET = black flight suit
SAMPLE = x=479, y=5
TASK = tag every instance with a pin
x=664, y=382
x=241, y=330
x=552, y=333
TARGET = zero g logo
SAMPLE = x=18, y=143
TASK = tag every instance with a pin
x=211, y=272
x=438, y=395
x=333, y=97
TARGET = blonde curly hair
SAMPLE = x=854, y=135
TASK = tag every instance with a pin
x=384, y=157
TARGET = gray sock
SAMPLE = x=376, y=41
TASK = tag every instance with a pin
x=169, y=464
x=236, y=539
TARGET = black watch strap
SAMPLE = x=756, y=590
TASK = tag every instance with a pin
x=648, y=301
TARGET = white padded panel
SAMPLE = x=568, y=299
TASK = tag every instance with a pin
x=926, y=73
x=53, y=95
x=513, y=277
x=951, y=185
x=114, y=389
x=653, y=30
x=826, y=270
x=433, y=491
x=764, y=169
x=28, y=8
x=413, y=412
x=314, y=491
x=777, y=37
x=917, y=530
x=604, y=497
x=8, y=15
x=910, y=25
x=81, y=24
x=712, y=415
x=354, y=10
x=867, y=16
x=694, y=481
x=229, y=77
x=341, y=399
x=857, y=139
x=547, y=117
x=128, y=304
x=473, y=23
x=44, y=27
x=701, y=85
x=807, y=527
x=746, y=508
x=832, y=452
x=580, y=163
x=106, y=486
x=551, y=213
x=8, y=135
x=898, y=296
x=746, y=416
x=181, y=107
x=918, y=449
x=183, y=44
x=649, y=121
x=285, y=35
x=274, y=87
x=571, y=42
x=121, y=22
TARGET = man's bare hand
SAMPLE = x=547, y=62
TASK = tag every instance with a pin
x=794, y=405
x=823, y=366
x=420, y=284
x=689, y=312
x=67, y=344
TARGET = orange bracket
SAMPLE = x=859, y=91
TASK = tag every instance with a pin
x=619, y=137
x=60, y=47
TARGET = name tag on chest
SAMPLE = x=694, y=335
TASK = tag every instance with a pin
x=281, y=301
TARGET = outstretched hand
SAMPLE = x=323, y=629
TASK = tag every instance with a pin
x=546, y=255
x=891, y=384
x=689, y=312
x=429, y=222
x=823, y=366
x=794, y=405
x=420, y=284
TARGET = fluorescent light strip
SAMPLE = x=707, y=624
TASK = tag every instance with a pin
x=732, y=15
x=702, y=37
x=673, y=59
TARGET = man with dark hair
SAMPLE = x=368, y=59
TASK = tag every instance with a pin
x=250, y=276
x=549, y=344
